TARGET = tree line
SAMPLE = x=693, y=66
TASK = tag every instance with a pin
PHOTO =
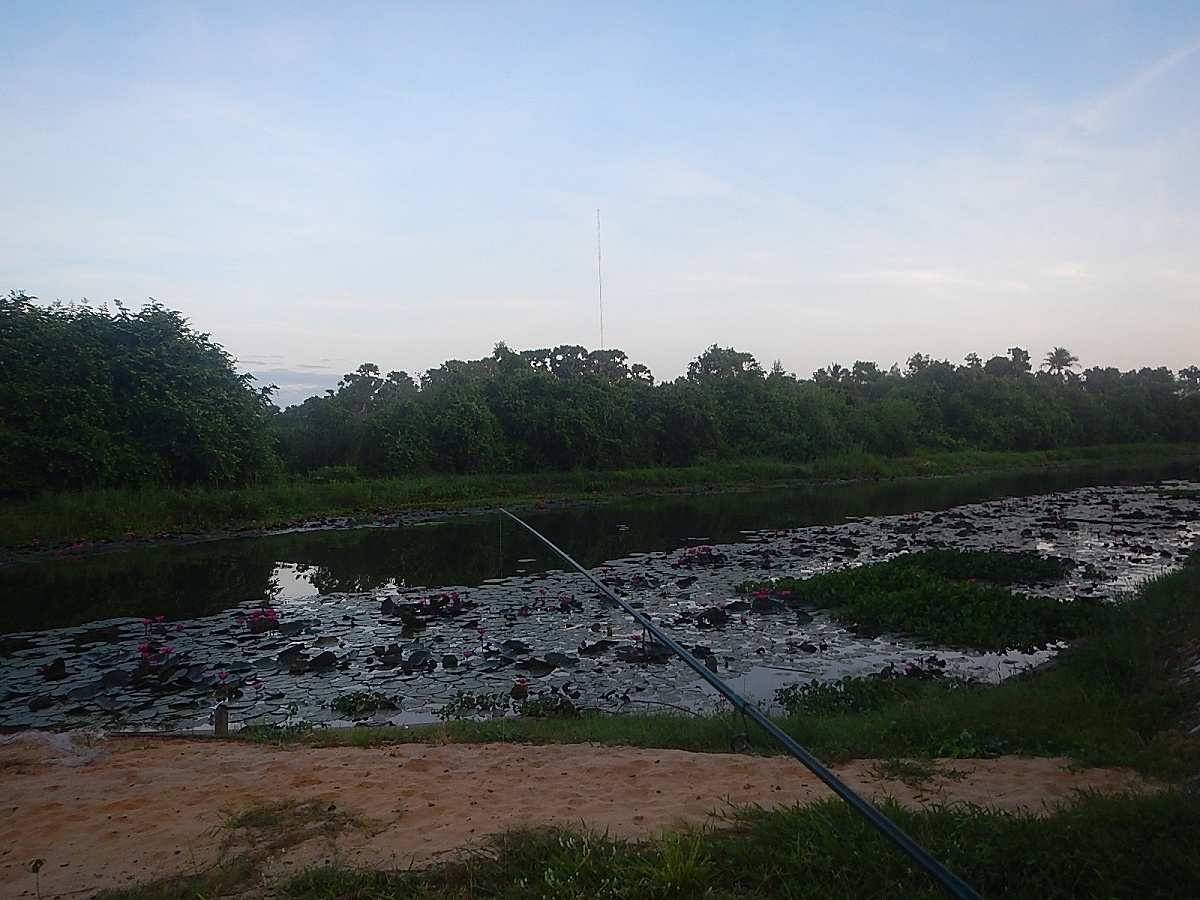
x=567, y=408
x=93, y=398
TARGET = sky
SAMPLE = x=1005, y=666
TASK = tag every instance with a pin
x=318, y=185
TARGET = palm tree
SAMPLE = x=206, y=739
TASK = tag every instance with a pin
x=1059, y=363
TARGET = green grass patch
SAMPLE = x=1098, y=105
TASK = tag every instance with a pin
x=1094, y=846
x=945, y=596
x=1122, y=846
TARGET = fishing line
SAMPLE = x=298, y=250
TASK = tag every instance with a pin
x=950, y=882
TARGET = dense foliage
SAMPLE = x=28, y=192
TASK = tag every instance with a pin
x=567, y=408
x=946, y=596
x=90, y=398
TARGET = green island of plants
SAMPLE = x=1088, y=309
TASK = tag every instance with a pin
x=955, y=598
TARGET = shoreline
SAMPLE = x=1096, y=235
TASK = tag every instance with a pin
x=415, y=514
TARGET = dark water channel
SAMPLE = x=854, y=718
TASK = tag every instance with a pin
x=183, y=582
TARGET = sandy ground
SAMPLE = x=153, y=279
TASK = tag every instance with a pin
x=132, y=809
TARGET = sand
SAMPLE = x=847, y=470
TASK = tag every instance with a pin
x=131, y=809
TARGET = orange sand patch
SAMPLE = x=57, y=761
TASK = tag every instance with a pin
x=133, y=809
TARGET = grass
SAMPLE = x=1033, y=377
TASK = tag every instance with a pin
x=1095, y=846
x=251, y=838
x=914, y=772
x=55, y=519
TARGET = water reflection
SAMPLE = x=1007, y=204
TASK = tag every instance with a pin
x=182, y=582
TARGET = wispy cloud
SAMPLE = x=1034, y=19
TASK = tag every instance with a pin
x=1103, y=111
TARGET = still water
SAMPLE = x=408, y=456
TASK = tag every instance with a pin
x=182, y=582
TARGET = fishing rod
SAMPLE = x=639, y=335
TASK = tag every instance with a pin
x=953, y=885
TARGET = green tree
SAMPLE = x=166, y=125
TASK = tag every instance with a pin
x=90, y=398
x=1059, y=363
x=717, y=362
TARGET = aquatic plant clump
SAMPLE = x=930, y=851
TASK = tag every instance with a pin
x=362, y=704
x=994, y=566
x=931, y=596
x=866, y=693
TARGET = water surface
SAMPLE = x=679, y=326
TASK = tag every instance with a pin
x=182, y=582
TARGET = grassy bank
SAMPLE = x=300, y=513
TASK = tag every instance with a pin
x=1117, y=697
x=1096, y=846
x=87, y=515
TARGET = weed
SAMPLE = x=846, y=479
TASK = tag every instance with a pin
x=36, y=868
x=914, y=772
x=290, y=729
x=547, y=708
x=865, y=693
x=468, y=704
x=361, y=704
x=945, y=596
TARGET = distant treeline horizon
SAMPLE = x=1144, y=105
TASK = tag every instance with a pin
x=91, y=398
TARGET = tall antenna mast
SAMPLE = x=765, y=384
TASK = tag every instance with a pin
x=600, y=279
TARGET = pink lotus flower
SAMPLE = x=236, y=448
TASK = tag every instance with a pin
x=222, y=675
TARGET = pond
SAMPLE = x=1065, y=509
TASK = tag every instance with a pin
x=282, y=626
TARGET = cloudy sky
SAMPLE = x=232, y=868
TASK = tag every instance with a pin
x=321, y=184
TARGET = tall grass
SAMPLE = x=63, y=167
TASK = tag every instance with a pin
x=111, y=513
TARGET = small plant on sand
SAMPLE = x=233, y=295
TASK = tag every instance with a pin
x=914, y=772
x=36, y=868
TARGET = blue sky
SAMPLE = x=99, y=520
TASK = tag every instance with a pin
x=317, y=185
